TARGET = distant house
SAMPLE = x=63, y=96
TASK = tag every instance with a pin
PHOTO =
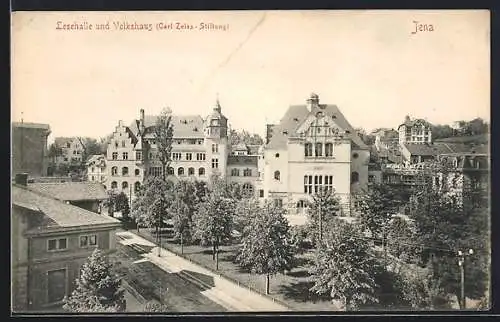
x=50, y=241
x=96, y=168
x=29, y=148
x=86, y=195
x=386, y=139
x=71, y=148
x=417, y=131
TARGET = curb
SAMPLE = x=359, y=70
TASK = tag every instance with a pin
x=133, y=291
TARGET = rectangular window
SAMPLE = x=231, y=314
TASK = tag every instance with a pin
x=125, y=155
x=261, y=193
x=189, y=156
x=371, y=178
x=115, y=155
x=235, y=172
x=200, y=156
x=88, y=240
x=319, y=149
x=56, y=285
x=308, y=184
x=57, y=244
x=154, y=171
x=215, y=148
x=123, y=144
x=138, y=155
x=176, y=156
x=215, y=163
x=247, y=172
x=93, y=179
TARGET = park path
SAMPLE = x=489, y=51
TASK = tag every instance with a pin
x=220, y=290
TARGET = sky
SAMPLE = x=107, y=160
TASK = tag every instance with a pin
x=368, y=63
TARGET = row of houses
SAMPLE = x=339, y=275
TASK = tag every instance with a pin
x=312, y=146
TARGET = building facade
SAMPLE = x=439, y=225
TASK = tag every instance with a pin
x=313, y=147
x=71, y=150
x=50, y=242
x=199, y=150
x=417, y=131
x=96, y=169
x=29, y=148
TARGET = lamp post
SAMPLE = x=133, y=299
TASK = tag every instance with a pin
x=461, y=264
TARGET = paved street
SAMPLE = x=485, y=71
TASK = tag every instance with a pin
x=179, y=271
x=150, y=283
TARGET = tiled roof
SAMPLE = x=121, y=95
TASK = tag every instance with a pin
x=240, y=147
x=411, y=123
x=295, y=116
x=437, y=148
x=249, y=160
x=71, y=191
x=61, y=141
x=31, y=125
x=188, y=126
x=59, y=213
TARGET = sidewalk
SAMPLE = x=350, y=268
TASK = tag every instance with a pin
x=228, y=294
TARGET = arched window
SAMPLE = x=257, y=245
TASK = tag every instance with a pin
x=124, y=185
x=125, y=171
x=170, y=171
x=247, y=190
x=319, y=149
x=114, y=185
x=191, y=171
x=180, y=171
x=308, y=150
x=114, y=171
x=201, y=171
x=354, y=177
x=137, y=186
x=137, y=172
x=276, y=175
x=328, y=149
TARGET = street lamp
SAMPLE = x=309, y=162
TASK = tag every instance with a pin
x=461, y=264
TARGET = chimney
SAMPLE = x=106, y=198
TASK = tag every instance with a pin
x=22, y=179
x=312, y=101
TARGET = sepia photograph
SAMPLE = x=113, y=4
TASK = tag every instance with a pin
x=250, y=161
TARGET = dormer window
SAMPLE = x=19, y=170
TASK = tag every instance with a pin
x=214, y=122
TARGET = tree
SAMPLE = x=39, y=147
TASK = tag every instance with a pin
x=441, y=131
x=375, y=207
x=182, y=209
x=236, y=137
x=245, y=209
x=325, y=206
x=344, y=266
x=155, y=307
x=163, y=133
x=98, y=289
x=90, y=147
x=54, y=152
x=265, y=244
x=151, y=206
x=400, y=234
x=117, y=201
x=448, y=220
x=213, y=221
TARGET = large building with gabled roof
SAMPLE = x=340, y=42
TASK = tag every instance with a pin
x=199, y=150
x=313, y=147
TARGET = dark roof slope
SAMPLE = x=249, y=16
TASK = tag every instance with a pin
x=71, y=191
x=185, y=126
x=59, y=213
x=31, y=125
x=438, y=148
x=296, y=115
